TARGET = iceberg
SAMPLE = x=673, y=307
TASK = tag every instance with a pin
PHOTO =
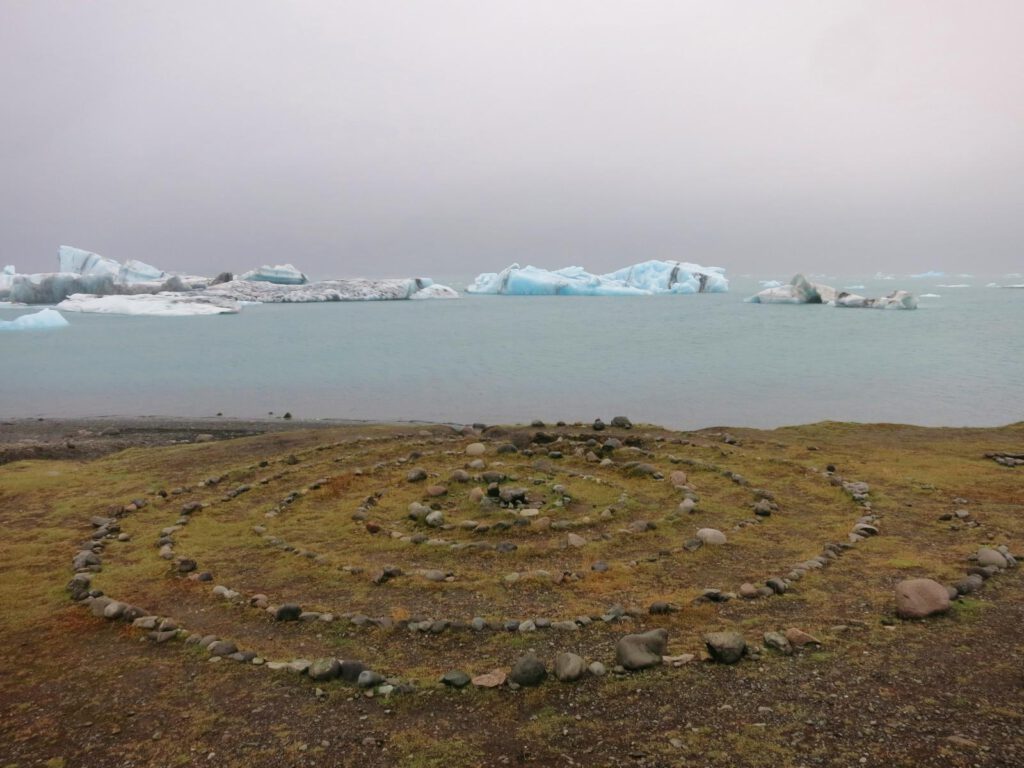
x=281, y=274
x=358, y=289
x=643, y=279
x=769, y=283
x=36, y=321
x=895, y=300
x=435, y=291
x=154, y=305
x=932, y=273
x=83, y=271
x=800, y=290
x=930, y=296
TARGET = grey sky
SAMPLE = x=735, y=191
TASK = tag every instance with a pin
x=438, y=137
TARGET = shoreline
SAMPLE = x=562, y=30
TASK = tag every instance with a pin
x=86, y=438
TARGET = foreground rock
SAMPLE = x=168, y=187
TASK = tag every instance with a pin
x=920, y=598
x=725, y=647
x=635, y=652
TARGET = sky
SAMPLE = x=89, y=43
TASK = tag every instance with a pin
x=450, y=137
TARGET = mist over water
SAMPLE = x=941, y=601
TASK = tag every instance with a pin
x=679, y=361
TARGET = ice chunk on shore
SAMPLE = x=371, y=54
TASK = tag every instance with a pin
x=326, y=290
x=280, y=274
x=36, y=321
x=155, y=305
x=643, y=279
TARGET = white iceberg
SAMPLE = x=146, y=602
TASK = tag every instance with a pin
x=435, y=291
x=643, y=279
x=280, y=274
x=769, y=283
x=154, y=305
x=36, y=321
x=930, y=296
x=329, y=290
x=800, y=290
x=895, y=300
x=932, y=273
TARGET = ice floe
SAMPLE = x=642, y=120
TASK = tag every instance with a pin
x=800, y=290
x=154, y=305
x=331, y=290
x=35, y=321
x=643, y=279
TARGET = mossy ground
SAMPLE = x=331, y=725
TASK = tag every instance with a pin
x=87, y=692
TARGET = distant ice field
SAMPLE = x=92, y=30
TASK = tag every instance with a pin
x=681, y=361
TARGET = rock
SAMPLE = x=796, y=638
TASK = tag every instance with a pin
x=621, y=422
x=79, y=586
x=643, y=650
x=918, y=598
x=288, y=612
x=416, y=475
x=725, y=647
x=777, y=585
x=186, y=565
x=597, y=669
x=569, y=667
x=351, y=670
x=455, y=679
x=748, y=591
x=687, y=505
x=435, y=519
x=575, y=540
x=778, y=642
x=993, y=557
x=460, y=476
x=222, y=648
x=435, y=575
x=436, y=490
x=528, y=671
x=711, y=536
x=798, y=638
x=114, y=610
x=492, y=679
x=476, y=449
x=368, y=679
x=528, y=626
x=677, y=478
x=969, y=584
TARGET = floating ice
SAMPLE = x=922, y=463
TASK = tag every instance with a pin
x=955, y=285
x=800, y=290
x=36, y=321
x=329, y=290
x=928, y=274
x=930, y=296
x=156, y=305
x=435, y=291
x=643, y=279
x=769, y=283
x=281, y=274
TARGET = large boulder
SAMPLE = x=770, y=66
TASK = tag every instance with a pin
x=643, y=650
x=529, y=670
x=918, y=598
x=725, y=647
x=569, y=667
x=989, y=556
x=711, y=536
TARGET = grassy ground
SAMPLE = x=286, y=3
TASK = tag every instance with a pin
x=76, y=690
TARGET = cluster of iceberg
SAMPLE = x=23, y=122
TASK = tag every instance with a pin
x=36, y=321
x=800, y=290
x=88, y=282
x=86, y=272
x=644, y=279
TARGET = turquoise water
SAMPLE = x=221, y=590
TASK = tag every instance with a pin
x=681, y=361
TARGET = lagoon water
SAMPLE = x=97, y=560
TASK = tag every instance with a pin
x=680, y=361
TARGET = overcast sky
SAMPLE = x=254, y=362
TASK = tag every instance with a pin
x=434, y=137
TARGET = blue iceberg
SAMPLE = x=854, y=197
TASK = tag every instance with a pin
x=644, y=279
x=36, y=321
x=281, y=274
